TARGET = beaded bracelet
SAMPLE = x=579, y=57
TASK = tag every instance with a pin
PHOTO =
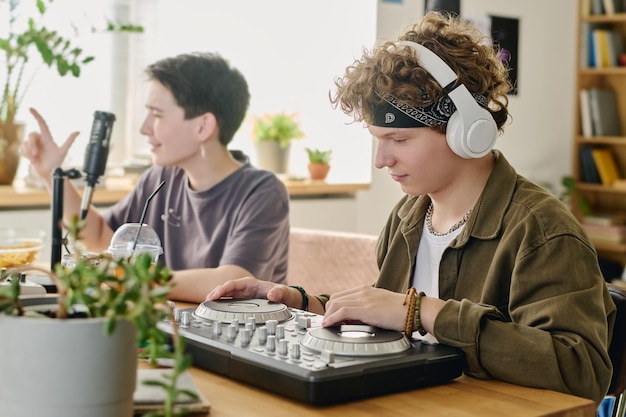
x=410, y=311
x=417, y=316
x=305, y=297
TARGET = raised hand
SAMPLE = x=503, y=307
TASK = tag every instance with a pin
x=41, y=150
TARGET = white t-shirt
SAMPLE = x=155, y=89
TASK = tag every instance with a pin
x=426, y=275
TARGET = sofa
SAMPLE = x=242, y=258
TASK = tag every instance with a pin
x=324, y=262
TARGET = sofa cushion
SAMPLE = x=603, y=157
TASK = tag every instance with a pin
x=324, y=262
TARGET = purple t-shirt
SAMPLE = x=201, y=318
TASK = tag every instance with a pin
x=243, y=220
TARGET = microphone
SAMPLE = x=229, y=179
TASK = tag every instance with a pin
x=96, y=155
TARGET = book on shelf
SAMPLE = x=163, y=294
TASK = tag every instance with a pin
x=601, y=48
x=615, y=46
x=603, y=112
x=600, y=45
x=588, y=44
x=609, y=6
x=600, y=7
x=606, y=165
x=589, y=169
x=585, y=113
x=597, y=7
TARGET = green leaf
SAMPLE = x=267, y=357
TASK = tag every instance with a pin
x=62, y=66
x=41, y=7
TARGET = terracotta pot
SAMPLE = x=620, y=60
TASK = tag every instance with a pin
x=318, y=171
x=11, y=135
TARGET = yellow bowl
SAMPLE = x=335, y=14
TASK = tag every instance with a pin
x=20, y=247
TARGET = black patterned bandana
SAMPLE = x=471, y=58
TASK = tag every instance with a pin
x=393, y=112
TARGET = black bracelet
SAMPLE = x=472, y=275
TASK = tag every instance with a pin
x=305, y=298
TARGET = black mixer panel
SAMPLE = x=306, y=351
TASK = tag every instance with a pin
x=286, y=351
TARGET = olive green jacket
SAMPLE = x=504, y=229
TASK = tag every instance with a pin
x=525, y=299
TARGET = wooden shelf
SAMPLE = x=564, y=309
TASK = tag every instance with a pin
x=602, y=140
x=601, y=246
x=604, y=18
x=602, y=198
x=21, y=196
x=599, y=188
x=603, y=71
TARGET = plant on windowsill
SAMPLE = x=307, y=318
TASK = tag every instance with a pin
x=319, y=163
x=272, y=136
x=87, y=342
x=579, y=204
x=20, y=36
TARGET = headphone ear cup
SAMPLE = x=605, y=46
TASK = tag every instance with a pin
x=474, y=141
x=455, y=136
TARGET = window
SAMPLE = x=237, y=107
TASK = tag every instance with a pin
x=289, y=51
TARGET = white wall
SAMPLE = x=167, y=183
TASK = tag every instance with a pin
x=538, y=141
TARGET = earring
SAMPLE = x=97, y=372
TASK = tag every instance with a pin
x=202, y=152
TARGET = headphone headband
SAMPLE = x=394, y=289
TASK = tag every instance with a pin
x=471, y=130
x=432, y=63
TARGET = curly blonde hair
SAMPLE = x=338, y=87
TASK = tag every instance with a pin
x=396, y=71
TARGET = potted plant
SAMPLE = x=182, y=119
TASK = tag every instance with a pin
x=17, y=42
x=273, y=134
x=579, y=204
x=319, y=163
x=82, y=354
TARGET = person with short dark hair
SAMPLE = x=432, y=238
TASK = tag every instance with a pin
x=491, y=263
x=217, y=216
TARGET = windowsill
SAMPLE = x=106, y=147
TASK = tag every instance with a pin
x=19, y=195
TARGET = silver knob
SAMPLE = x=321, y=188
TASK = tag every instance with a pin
x=231, y=331
x=185, y=318
x=280, y=331
x=283, y=347
x=271, y=343
x=177, y=312
x=217, y=328
x=262, y=334
x=250, y=327
x=245, y=336
x=271, y=326
x=295, y=351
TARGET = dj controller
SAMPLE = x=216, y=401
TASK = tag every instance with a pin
x=286, y=351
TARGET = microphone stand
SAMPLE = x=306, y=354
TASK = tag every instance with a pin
x=58, y=241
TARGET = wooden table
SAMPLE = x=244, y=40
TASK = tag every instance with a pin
x=463, y=397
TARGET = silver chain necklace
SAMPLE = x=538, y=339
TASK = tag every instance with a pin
x=455, y=226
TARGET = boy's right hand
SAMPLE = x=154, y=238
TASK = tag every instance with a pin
x=41, y=150
x=248, y=287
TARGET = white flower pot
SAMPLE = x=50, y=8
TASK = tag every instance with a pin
x=66, y=368
x=272, y=157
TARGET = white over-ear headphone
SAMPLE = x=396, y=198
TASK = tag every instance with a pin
x=471, y=131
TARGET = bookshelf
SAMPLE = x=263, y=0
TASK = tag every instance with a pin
x=602, y=198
